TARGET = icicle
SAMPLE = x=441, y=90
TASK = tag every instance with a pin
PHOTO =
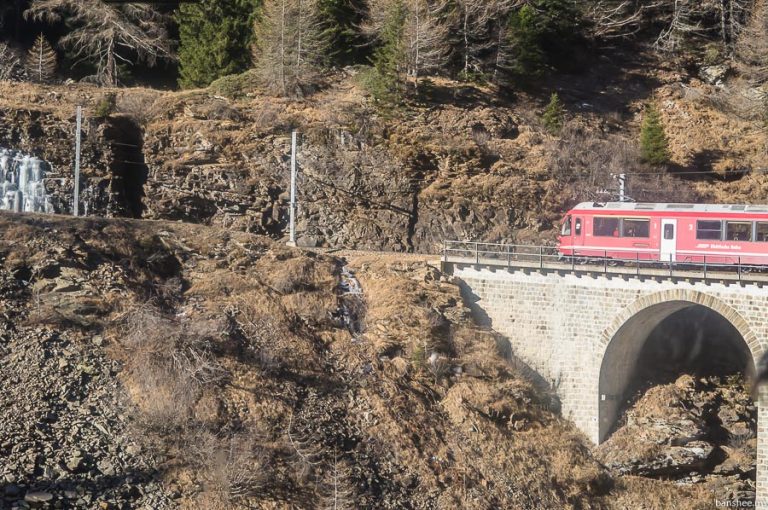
x=22, y=187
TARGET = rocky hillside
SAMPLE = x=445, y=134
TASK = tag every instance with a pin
x=163, y=365
x=459, y=161
x=692, y=431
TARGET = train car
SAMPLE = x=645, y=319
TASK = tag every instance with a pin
x=683, y=233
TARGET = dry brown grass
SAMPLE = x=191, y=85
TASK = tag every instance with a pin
x=254, y=399
x=137, y=105
x=644, y=494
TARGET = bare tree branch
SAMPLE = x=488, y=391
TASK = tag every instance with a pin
x=107, y=33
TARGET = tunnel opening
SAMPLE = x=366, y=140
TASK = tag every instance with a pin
x=128, y=165
x=696, y=341
x=674, y=399
x=661, y=343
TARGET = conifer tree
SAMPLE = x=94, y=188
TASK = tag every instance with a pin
x=41, y=60
x=215, y=37
x=387, y=79
x=553, y=114
x=561, y=24
x=541, y=34
x=426, y=38
x=290, y=45
x=526, y=56
x=654, y=147
x=342, y=19
x=421, y=42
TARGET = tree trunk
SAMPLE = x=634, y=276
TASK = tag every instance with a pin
x=418, y=47
x=723, y=29
x=466, y=42
x=111, y=72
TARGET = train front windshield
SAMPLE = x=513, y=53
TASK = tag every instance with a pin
x=566, y=230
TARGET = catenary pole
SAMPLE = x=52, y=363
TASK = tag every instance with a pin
x=294, y=143
x=76, y=208
x=622, y=187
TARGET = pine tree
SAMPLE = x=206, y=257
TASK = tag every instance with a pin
x=561, y=24
x=527, y=58
x=290, y=45
x=386, y=82
x=554, y=114
x=215, y=37
x=342, y=19
x=540, y=34
x=41, y=60
x=424, y=37
x=654, y=147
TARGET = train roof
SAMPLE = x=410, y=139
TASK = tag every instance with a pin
x=669, y=207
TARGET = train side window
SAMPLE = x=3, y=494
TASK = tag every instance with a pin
x=605, y=227
x=738, y=230
x=669, y=231
x=566, y=227
x=761, y=232
x=636, y=228
x=578, y=226
x=710, y=230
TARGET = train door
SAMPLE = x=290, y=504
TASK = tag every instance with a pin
x=578, y=231
x=668, y=240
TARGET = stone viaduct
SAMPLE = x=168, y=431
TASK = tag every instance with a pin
x=585, y=332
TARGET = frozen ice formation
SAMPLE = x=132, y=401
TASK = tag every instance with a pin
x=21, y=182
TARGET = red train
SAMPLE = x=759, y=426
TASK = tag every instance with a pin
x=693, y=233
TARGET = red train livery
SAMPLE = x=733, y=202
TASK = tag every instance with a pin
x=695, y=233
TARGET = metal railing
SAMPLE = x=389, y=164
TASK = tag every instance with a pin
x=548, y=257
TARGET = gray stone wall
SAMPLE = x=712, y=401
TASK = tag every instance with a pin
x=561, y=325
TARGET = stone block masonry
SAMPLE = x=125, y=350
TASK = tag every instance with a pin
x=583, y=333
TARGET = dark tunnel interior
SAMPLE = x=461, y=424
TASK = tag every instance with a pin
x=661, y=343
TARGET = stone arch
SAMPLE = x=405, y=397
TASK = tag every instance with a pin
x=621, y=342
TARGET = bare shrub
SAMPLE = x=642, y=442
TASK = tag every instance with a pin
x=136, y=105
x=231, y=467
x=591, y=162
x=580, y=155
x=439, y=367
x=293, y=274
x=480, y=135
x=266, y=116
x=170, y=362
x=219, y=109
x=10, y=63
x=164, y=398
x=313, y=308
x=261, y=331
x=307, y=453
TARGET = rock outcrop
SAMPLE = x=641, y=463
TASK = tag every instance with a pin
x=365, y=181
x=691, y=431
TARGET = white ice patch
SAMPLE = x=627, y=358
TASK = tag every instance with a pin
x=21, y=183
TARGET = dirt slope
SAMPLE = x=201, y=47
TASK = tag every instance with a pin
x=175, y=365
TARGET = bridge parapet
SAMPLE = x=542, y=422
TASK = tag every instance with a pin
x=547, y=258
